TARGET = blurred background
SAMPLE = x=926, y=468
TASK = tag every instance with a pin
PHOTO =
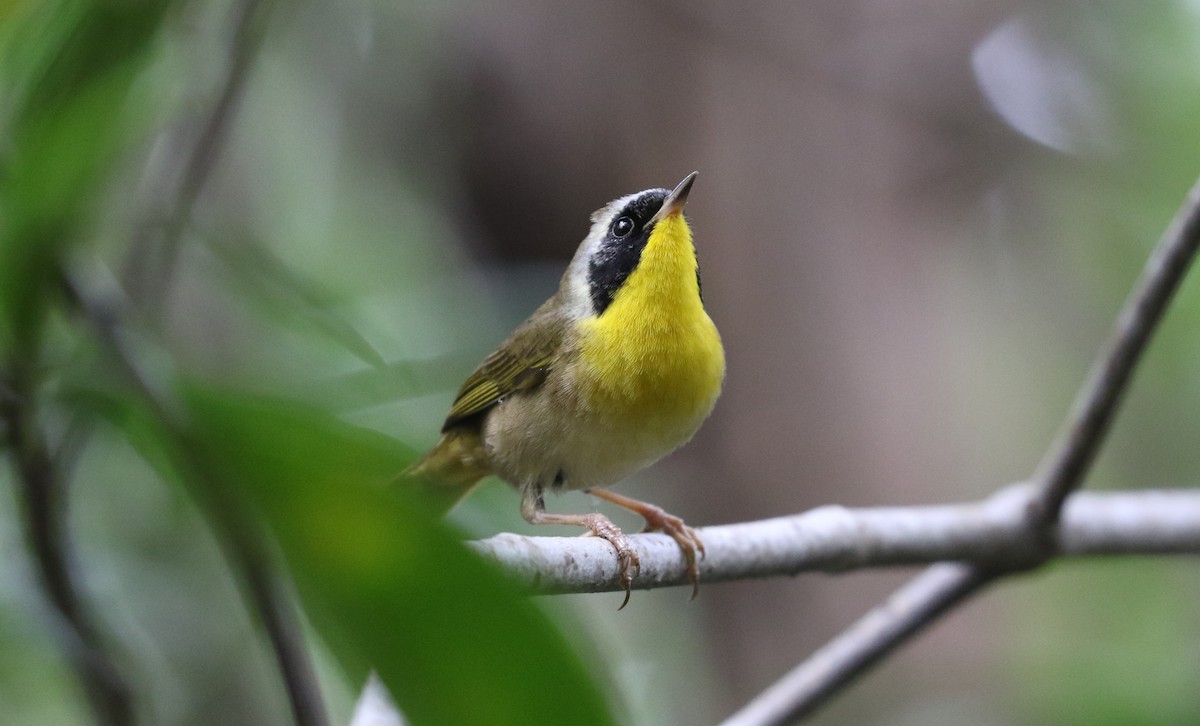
x=915, y=220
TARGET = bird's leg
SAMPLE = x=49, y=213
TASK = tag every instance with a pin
x=533, y=509
x=657, y=519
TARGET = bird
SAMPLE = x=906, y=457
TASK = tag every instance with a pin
x=616, y=370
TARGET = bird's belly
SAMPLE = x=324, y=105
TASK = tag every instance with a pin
x=603, y=425
x=580, y=450
x=599, y=453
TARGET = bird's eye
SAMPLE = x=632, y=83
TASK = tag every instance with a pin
x=622, y=227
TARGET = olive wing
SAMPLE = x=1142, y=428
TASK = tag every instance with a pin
x=519, y=364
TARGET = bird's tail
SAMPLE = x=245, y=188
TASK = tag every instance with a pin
x=449, y=471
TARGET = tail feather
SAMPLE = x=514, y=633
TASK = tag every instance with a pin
x=450, y=470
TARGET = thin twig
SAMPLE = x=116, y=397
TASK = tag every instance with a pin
x=43, y=496
x=242, y=542
x=149, y=269
x=905, y=613
x=1066, y=465
x=272, y=598
x=151, y=262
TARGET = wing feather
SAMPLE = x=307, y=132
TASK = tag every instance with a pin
x=521, y=363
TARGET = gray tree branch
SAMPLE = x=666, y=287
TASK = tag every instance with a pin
x=1065, y=465
x=1067, y=461
x=916, y=604
x=992, y=533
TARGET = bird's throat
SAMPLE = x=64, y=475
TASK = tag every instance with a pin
x=655, y=352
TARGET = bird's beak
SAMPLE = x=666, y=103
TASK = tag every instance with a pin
x=676, y=200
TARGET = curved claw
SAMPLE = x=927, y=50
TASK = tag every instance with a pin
x=631, y=566
x=659, y=520
x=533, y=509
x=689, y=543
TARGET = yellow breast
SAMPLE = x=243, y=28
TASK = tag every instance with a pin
x=653, y=361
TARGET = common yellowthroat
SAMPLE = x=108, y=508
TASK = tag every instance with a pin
x=616, y=370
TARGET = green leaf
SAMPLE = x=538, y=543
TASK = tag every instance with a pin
x=268, y=281
x=71, y=66
x=389, y=586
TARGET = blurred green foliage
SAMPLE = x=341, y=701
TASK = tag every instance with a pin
x=391, y=588
x=1107, y=643
x=71, y=67
x=386, y=585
